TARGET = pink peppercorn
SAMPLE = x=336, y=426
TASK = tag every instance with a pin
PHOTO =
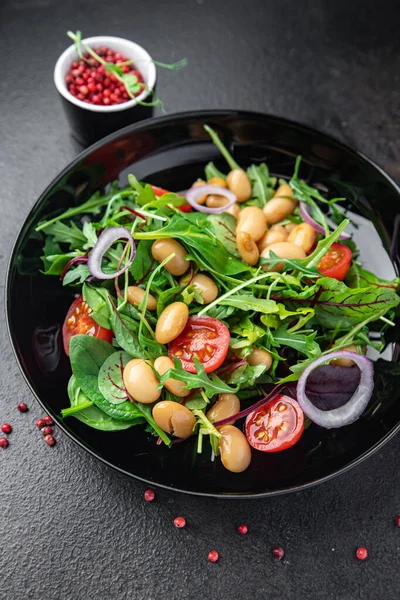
x=149, y=495
x=3, y=442
x=6, y=428
x=213, y=556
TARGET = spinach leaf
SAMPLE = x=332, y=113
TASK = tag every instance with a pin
x=211, y=385
x=99, y=301
x=110, y=379
x=87, y=355
x=93, y=416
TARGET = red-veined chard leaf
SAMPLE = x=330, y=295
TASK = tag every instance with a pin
x=110, y=380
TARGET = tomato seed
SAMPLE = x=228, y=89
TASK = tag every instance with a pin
x=179, y=522
x=47, y=430
x=3, y=442
x=6, y=428
x=278, y=552
x=50, y=440
x=213, y=556
x=40, y=423
x=362, y=553
x=149, y=495
x=243, y=529
x=22, y=407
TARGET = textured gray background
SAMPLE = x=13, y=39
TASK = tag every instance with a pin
x=70, y=528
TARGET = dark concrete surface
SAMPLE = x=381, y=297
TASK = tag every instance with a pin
x=70, y=528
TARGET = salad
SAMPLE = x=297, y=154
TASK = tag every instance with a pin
x=238, y=312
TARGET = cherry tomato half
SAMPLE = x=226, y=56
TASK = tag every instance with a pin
x=336, y=262
x=158, y=191
x=79, y=321
x=205, y=338
x=276, y=426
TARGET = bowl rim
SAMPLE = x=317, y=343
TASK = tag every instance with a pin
x=70, y=54
x=196, y=114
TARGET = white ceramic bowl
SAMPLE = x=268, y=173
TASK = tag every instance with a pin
x=111, y=117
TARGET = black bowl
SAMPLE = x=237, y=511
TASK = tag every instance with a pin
x=171, y=152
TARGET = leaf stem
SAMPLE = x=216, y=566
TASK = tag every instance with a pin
x=72, y=410
x=224, y=151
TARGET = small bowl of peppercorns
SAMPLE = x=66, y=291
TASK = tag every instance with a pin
x=105, y=83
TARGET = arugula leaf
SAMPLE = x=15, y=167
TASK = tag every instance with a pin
x=213, y=254
x=67, y=234
x=50, y=249
x=167, y=297
x=90, y=234
x=110, y=378
x=249, y=302
x=190, y=293
x=91, y=206
x=99, y=301
x=210, y=171
x=211, y=385
x=305, y=344
x=260, y=183
x=93, y=416
x=245, y=376
x=58, y=262
x=145, y=193
x=196, y=402
x=77, y=275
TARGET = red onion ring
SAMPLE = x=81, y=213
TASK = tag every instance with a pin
x=196, y=192
x=353, y=409
x=104, y=243
x=308, y=219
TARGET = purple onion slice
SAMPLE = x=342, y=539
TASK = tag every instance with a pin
x=353, y=409
x=196, y=192
x=106, y=239
x=305, y=215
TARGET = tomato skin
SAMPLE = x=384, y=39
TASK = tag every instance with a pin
x=281, y=420
x=336, y=262
x=206, y=338
x=158, y=191
x=78, y=321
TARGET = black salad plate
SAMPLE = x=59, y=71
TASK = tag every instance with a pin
x=171, y=152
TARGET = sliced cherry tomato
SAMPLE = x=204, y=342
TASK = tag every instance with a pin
x=158, y=191
x=336, y=262
x=275, y=426
x=79, y=321
x=205, y=338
